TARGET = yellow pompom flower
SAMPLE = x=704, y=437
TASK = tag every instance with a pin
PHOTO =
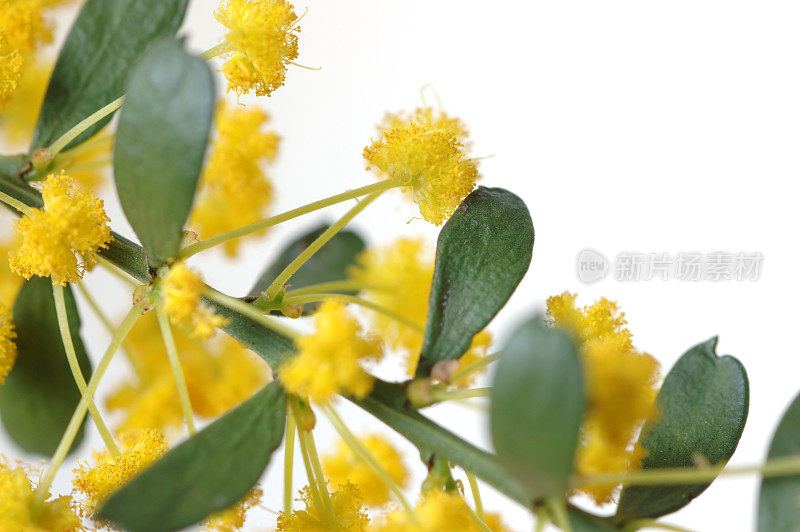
x=621, y=384
x=426, y=117
x=17, y=503
x=427, y=159
x=23, y=26
x=233, y=518
x=436, y=511
x=8, y=349
x=19, y=117
x=344, y=466
x=72, y=222
x=346, y=501
x=329, y=361
x=10, y=74
x=182, y=303
x=234, y=190
x=262, y=39
x=108, y=474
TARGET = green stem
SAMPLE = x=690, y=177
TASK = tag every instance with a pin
x=288, y=463
x=73, y=133
x=478, y=365
x=313, y=298
x=116, y=271
x=248, y=310
x=478, y=521
x=652, y=523
x=542, y=518
x=92, y=165
x=366, y=456
x=64, y=157
x=559, y=512
x=316, y=501
x=316, y=478
x=221, y=238
x=75, y=367
x=448, y=395
x=222, y=48
x=333, y=286
x=14, y=202
x=177, y=370
x=476, y=494
x=278, y=284
x=74, y=426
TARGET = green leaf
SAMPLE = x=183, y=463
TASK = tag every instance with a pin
x=585, y=522
x=205, y=474
x=482, y=254
x=779, y=502
x=387, y=402
x=161, y=141
x=537, y=407
x=269, y=345
x=703, y=407
x=39, y=396
x=93, y=65
x=330, y=263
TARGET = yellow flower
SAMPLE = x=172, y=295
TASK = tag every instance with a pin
x=427, y=159
x=182, y=303
x=16, y=506
x=8, y=349
x=344, y=466
x=263, y=40
x=426, y=117
x=110, y=473
x=10, y=74
x=328, y=361
x=233, y=518
x=621, y=384
x=72, y=221
x=436, y=511
x=20, y=115
x=9, y=281
x=234, y=191
x=23, y=26
x=346, y=501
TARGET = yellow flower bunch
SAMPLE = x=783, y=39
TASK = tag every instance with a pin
x=233, y=518
x=437, y=511
x=182, y=303
x=346, y=502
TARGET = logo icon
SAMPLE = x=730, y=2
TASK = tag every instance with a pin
x=591, y=266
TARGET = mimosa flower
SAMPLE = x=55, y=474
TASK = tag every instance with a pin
x=346, y=501
x=233, y=518
x=436, y=511
x=182, y=303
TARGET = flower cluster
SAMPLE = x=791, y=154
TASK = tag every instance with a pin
x=182, y=303
x=437, y=511
x=346, y=501
x=17, y=494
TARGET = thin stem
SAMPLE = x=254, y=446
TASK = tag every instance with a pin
x=288, y=463
x=449, y=395
x=333, y=286
x=75, y=367
x=85, y=167
x=116, y=270
x=221, y=238
x=90, y=144
x=652, y=523
x=95, y=307
x=478, y=521
x=366, y=456
x=312, y=480
x=73, y=133
x=248, y=310
x=277, y=285
x=222, y=48
x=311, y=448
x=313, y=298
x=474, y=367
x=14, y=202
x=559, y=512
x=476, y=494
x=177, y=370
x=542, y=518
x=42, y=491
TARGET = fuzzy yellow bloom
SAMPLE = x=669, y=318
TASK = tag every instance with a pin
x=108, y=474
x=621, y=384
x=428, y=161
x=16, y=506
x=426, y=117
x=8, y=349
x=346, y=501
x=10, y=74
x=19, y=117
x=437, y=511
x=234, y=190
x=263, y=40
x=233, y=518
x=329, y=361
x=344, y=466
x=182, y=303
x=72, y=221
x=23, y=26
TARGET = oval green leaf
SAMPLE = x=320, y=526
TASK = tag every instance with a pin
x=482, y=254
x=161, y=141
x=537, y=408
x=39, y=396
x=205, y=474
x=703, y=406
x=582, y=521
x=328, y=264
x=93, y=65
x=779, y=501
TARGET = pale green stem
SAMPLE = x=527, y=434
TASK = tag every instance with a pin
x=249, y=311
x=74, y=426
x=478, y=365
x=476, y=494
x=222, y=48
x=316, y=501
x=277, y=285
x=333, y=286
x=60, y=143
x=652, y=523
x=313, y=298
x=288, y=463
x=449, y=395
x=14, y=202
x=542, y=518
x=558, y=510
x=85, y=167
x=90, y=144
x=311, y=448
x=177, y=370
x=367, y=457
x=221, y=238
x=478, y=521
x=75, y=367
x=116, y=270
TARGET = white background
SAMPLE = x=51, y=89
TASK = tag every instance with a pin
x=625, y=126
